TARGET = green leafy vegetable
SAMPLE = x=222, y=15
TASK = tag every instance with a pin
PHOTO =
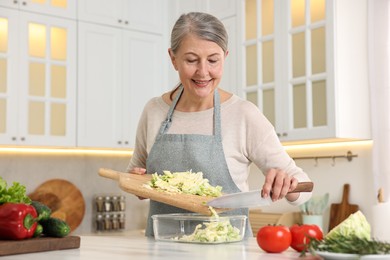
x=15, y=194
x=355, y=225
x=352, y=236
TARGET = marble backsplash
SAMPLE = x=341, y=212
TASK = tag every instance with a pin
x=31, y=170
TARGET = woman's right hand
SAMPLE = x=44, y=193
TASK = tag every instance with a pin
x=139, y=171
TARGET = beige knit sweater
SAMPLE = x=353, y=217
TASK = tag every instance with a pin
x=247, y=137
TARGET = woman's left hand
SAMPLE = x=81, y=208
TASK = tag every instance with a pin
x=277, y=184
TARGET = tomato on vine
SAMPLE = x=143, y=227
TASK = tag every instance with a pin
x=301, y=234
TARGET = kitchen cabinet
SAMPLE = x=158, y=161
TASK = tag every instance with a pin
x=306, y=68
x=145, y=15
x=37, y=79
x=119, y=71
x=222, y=8
x=57, y=8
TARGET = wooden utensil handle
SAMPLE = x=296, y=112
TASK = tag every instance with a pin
x=303, y=187
x=108, y=173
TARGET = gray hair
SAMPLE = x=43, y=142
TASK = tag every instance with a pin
x=202, y=25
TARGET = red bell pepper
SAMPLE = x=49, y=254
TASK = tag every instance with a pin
x=17, y=221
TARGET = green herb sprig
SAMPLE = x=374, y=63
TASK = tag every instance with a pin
x=350, y=245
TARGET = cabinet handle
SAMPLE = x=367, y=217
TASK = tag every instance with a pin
x=24, y=3
x=15, y=2
x=284, y=134
x=119, y=21
x=13, y=138
x=126, y=22
x=22, y=139
x=119, y=142
x=278, y=134
x=126, y=142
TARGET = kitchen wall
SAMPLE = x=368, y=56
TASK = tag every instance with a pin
x=329, y=176
x=33, y=169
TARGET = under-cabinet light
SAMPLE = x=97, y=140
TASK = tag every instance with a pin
x=64, y=151
x=351, y=144
x=118, y=152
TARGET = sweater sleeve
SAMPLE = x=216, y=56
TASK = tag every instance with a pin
x=266, y=151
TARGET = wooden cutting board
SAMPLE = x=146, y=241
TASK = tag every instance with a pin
x=134, y=184
x=64, y=199
x=32, y=245
x=339, y=212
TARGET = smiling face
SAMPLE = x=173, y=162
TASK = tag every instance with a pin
x=200, y=66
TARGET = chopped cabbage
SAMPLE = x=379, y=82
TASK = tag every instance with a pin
x=355, y=225
x=213, y=232
x=184, y=182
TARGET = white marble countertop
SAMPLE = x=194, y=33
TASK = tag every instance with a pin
x=134, y=245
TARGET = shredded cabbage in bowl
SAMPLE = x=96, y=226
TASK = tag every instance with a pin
x=184, y=182
x=215, y=231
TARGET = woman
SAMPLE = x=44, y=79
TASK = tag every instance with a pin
x=200, y=127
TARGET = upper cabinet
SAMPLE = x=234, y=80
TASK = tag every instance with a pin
x=37, y=79
x=306, y=68
x=58, y=8
x=145, y=15
x=119, y=71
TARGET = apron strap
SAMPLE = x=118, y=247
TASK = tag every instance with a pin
x=217, y=115
x=168, y=121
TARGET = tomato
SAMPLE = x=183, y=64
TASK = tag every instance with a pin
x=274, y=238
x=301, y=234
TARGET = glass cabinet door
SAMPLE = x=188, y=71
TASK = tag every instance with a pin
x=285, y=64
x=260, y=58
x=47, y=94
x=8, y=68
x=307, y=69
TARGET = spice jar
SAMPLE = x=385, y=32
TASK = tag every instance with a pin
x=99, y=203
x=107, y=204
x=99, y=222
x=121, y=221
x=115, y=203
x=115, y=222
x=122, y=204
x=107, y=222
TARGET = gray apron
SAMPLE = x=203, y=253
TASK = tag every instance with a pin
x=199, y=153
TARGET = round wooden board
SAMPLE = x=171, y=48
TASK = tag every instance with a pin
x=70, y=206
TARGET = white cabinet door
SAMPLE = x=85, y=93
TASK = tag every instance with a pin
x=99, y=85
x=119, y=71
x=145, y=15
x=298, y=68
x=229, y=80
x=143, y=78
x=223, y=8
x=9, y=58
x=58, y=8
x=44, y=111
x=101, y=11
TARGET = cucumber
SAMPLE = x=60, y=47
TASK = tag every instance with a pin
x=38, y=231
x=55, y=227
x=42, y=210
